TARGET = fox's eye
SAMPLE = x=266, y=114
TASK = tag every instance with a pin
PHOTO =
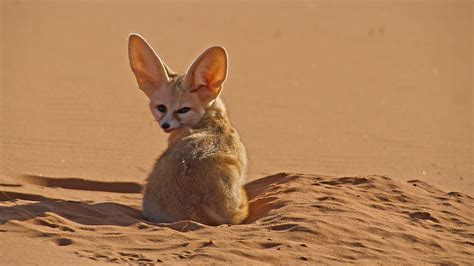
x=161, y=108
x=183, y=110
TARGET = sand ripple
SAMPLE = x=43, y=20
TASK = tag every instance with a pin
x=293, y=218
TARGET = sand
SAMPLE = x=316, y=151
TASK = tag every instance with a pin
x=294, y=218
x=366, y=109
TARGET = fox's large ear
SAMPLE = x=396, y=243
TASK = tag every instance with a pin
x=149, y=70
x=207, y=73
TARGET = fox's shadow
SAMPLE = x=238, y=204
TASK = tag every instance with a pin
x=110, y=213
x=106, y=213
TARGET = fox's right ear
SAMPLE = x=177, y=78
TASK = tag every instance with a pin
x=207, y=73
x=149, y=70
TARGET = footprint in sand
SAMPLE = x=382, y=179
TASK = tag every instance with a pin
x=423, y=216
x=63, y=241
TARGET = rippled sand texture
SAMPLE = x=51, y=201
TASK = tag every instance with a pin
x=372, y=101
x=293, y=218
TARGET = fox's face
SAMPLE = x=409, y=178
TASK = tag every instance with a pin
x=177, y=100
x=174, y=106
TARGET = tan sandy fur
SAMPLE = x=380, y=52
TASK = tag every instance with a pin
x=200, y=175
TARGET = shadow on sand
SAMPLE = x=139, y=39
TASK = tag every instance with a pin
x=110, y=213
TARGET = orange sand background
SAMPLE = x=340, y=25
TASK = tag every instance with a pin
x=324, y=88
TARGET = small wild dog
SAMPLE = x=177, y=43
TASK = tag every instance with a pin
x=200, y=176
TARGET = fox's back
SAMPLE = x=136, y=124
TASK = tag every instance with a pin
x=201, y=174
x=202, y=167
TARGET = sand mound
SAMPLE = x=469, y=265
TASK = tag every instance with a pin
x=293, y=218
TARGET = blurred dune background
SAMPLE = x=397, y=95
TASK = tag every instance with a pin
x=333, y=88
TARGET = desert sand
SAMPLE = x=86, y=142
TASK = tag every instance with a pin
x=357, y=118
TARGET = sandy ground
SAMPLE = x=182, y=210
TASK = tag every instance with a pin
x=372, y=101
x=294, y=218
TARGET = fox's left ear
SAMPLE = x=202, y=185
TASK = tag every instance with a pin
x=207, y=73
x=150, y=71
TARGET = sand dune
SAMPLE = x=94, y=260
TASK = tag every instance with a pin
x=294, y=218
x=314, y=87
x=335, y=88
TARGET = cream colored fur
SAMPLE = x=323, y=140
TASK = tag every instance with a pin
x=200, y=175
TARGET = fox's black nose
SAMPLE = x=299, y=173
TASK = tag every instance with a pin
x=165, y=126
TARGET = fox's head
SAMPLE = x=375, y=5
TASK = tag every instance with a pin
x=177, y=100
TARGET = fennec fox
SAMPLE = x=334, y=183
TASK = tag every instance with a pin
x=200, y=176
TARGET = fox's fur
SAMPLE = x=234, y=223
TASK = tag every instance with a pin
x=200, y=176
